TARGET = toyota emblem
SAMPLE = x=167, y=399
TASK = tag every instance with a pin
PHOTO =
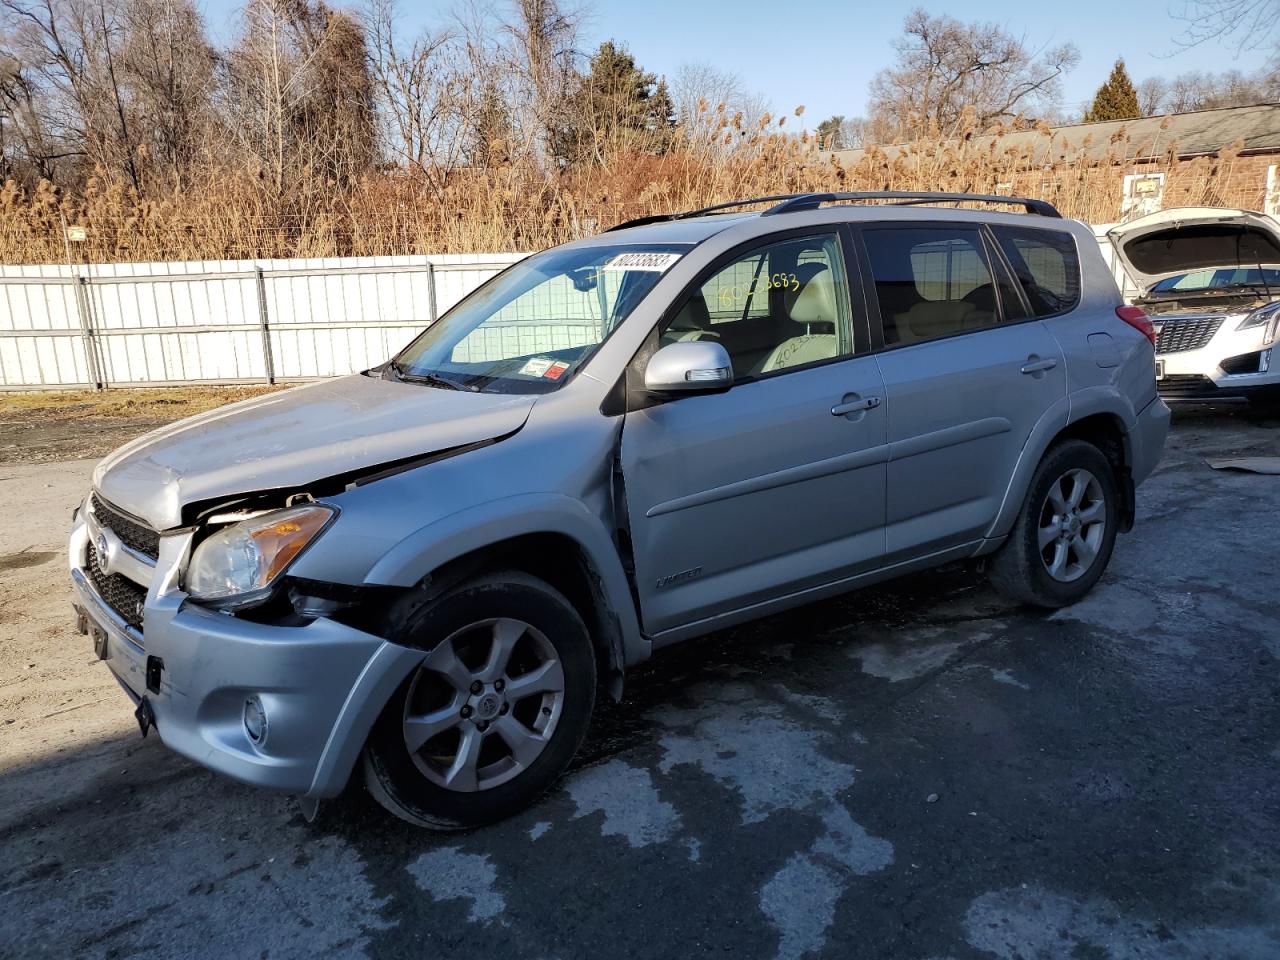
x=102, y=549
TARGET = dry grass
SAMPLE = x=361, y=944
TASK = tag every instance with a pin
x=161, y=404
x=520, y=207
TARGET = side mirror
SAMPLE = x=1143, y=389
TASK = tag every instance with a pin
x=699, y=366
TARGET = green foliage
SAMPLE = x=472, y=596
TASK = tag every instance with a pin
x=616, y=103
x=1116, y=99
x=831, y=133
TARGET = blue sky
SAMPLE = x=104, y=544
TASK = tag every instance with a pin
x=822, y=53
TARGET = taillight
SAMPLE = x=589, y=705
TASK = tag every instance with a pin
x=1135, y=318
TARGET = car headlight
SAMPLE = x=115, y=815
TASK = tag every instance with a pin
x=1267, y=314
x=242, y=561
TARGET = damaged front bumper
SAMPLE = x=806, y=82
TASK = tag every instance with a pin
x=320, y=685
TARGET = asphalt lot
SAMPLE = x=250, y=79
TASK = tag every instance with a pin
x=917, y=771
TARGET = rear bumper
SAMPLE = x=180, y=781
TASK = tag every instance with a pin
x=322, y=684
x=1146, y=439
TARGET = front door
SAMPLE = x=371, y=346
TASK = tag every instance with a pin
x=778, y=484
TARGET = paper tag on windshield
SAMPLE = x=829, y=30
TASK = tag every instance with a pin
x=535, y=367
x=655, y=262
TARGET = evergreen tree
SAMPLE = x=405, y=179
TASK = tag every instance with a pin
x=831, y=133
x=616, y=102
x=1116, y=99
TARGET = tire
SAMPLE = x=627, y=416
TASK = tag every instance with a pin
x=1057, y=574
x=495, y=712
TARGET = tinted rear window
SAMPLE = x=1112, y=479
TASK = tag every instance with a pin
x=1045, y=264
x=934, y=282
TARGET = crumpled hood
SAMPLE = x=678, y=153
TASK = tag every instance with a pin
x=296, y=437
x=1185, y=239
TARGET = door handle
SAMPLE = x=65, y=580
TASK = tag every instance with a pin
x=1036, y=364
x=855, y=404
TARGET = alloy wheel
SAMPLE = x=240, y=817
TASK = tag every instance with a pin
x=1073, y=520
x=483, y=705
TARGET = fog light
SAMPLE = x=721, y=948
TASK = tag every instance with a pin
x=255, y=720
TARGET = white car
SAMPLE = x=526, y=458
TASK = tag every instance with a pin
x=1209, y=278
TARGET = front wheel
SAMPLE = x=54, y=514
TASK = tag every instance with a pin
x=1063, y=538
x=495, y=711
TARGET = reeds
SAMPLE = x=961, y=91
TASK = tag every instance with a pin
x=229, y=214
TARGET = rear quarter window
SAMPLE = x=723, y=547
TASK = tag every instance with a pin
x=1046, y=266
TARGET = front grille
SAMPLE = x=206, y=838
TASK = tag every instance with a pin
x=1189, y=333
x=119, y=593
x=132, y=534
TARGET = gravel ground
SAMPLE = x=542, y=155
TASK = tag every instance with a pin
x=916, y=771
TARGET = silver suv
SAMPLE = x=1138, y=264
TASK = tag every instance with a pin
x=429, y=569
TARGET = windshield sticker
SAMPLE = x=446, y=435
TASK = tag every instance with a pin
x=556, y=370
x=654, y=262
x=536, y=367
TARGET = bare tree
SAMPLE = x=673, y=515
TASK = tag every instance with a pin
x=67, y=54
x=439, y=107
x=707, y=101
x=541, y=54
x=945, y=67
x=1152, y=94
x=169, y=66
x=1248, y=24
x=298, y=95
x=1198, y=90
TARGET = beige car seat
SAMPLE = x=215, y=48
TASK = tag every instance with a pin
x=938, y=318
x=691, y=323
x=812, y=304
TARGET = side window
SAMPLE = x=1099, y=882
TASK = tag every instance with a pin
x=1046, y=267
x=782, y=305
x=935, y=282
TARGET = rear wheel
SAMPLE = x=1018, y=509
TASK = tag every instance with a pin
x=1063, y=538
x=494, y=712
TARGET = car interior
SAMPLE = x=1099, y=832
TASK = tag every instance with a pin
x=929, y=285
x=776, y=308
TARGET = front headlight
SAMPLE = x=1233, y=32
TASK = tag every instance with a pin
x=242, y=561
x=1266, y=314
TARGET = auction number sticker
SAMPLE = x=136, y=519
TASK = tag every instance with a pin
x=536, y=367
x=654, y=262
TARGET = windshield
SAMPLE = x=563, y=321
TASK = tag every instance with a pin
x=1221, y=279
x=529, y=328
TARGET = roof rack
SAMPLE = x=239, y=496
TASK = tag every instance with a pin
x=908, y=198
x=703, y=211
x=795, y=202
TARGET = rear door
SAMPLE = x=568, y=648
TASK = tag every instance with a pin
x=778, y=484
x=968, y=373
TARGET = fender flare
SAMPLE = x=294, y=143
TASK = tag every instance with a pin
x=1066, y=411
x=432, y=546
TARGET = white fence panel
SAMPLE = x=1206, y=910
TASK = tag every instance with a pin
x=213, y=321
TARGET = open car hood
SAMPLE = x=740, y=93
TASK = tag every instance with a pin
x=287, y=440
x=1186, y=239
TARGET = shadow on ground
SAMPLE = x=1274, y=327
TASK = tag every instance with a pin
x=913, y=771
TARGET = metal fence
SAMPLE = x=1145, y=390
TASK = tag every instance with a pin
x=144, y=324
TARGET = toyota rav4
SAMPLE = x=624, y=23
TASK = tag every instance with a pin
x=427, y=571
